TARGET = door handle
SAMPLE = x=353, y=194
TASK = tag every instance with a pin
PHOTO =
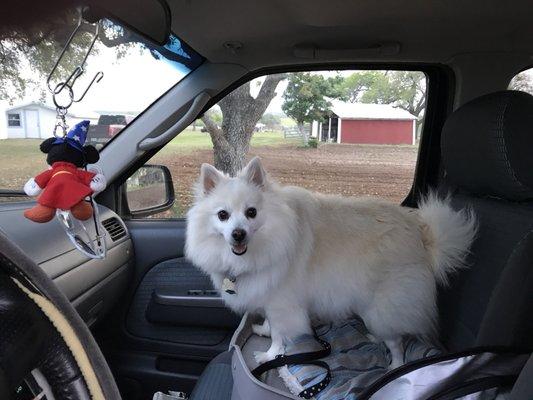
x=168, y=299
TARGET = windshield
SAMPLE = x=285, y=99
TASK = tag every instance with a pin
x=135, y=74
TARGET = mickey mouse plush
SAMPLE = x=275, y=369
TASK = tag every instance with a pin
x=65, y=185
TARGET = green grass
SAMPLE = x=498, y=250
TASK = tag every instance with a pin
x=288, y=122
x=189, y=140
x=21, y=159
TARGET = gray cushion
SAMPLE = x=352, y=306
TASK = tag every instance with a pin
x=216, y=382
x=485, y=303
x=486, y=146
x=508, y=320
x=486, y=151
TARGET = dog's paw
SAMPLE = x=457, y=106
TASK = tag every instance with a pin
x=263, y=356
x=261, y=330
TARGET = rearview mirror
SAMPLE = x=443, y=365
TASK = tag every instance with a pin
x=149, y=191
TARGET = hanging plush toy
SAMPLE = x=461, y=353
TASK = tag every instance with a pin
x=65, y=185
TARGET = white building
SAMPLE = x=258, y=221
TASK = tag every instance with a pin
x=35, y=120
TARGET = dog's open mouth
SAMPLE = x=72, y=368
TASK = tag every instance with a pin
x=239, y=249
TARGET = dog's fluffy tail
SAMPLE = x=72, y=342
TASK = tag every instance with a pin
x=447, y=234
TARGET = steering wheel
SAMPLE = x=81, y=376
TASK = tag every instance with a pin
x=39, y=329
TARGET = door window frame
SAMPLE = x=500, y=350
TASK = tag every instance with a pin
x=440, y=87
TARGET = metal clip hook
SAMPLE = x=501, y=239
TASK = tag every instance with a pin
x=78, y=71
x=76, y=74
x=97, y=78
x=61, y=123
x=59, y=127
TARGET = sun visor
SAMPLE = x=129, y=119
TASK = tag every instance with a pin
x=148, y=18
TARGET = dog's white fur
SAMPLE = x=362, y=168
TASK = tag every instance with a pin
x=313, y=256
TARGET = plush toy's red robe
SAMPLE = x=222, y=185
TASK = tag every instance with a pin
x=64, y=185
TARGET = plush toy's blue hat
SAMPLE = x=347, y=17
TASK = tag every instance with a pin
x=76, y=136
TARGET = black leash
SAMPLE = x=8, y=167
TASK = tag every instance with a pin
x=93, y=205
x=309, y=358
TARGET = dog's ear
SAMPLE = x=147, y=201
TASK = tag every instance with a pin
x=254, y=173
x=47, y=145
x=209, y=178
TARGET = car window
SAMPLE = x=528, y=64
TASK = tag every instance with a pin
x=351, y=133
x=135, y=74
x=523, y=81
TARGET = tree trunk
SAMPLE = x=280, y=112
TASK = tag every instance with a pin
x=240, y=113
x=304, y=133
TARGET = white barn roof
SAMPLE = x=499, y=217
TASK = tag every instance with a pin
x=82, y=113
x=30, y=104
x=369, y=111
x=33, y=104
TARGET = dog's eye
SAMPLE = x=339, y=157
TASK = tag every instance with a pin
x=223, y=215
x=251, y=212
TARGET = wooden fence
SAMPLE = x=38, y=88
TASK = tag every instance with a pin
x=292, y=133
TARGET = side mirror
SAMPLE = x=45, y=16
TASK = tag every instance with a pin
x=149, y=191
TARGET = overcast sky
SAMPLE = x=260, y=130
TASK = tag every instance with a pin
x=133, y=82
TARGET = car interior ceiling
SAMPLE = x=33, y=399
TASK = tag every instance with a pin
x=469, y=51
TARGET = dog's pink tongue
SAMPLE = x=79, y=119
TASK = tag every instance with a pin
x=239, y=248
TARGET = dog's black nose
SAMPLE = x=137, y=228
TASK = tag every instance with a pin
x=238, y=235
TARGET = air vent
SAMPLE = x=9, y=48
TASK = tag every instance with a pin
x=115, y=229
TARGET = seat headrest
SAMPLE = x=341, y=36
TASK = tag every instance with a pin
x=487, y=146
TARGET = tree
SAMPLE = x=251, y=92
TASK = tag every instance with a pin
x=358, y=83
x=271, y=121
x=240, y=113
x=37, y=47
x=403, y=89
x=307, y=98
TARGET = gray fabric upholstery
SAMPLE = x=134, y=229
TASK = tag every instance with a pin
x=484, y=304
x=216, y=382
x=509, y=316
x=523, y=388
x=486, y=148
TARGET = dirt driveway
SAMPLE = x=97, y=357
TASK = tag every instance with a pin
x=350, y=170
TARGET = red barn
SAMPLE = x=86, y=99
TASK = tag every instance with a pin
x=366, y=123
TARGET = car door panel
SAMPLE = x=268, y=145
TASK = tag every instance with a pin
x=175, y=278
x=174, y=322
x=194, y=308
x=155, y=241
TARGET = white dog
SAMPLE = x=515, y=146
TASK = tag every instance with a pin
x=293, y=255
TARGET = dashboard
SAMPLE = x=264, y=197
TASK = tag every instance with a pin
x=93, y=286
